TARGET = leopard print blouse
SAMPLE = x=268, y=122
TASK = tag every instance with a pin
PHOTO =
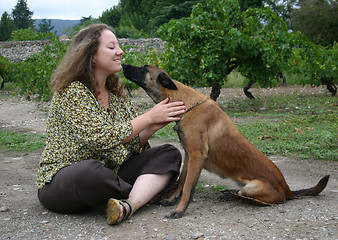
x=80, y=128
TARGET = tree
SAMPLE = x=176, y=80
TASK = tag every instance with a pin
x=112, y=16
x=85, y=19
x=319, y=64
x=245, y=4
x=204, y=48
x=165, y=10
x=284, y=9
x=143, y=17
x=22, y=16
x=318, y=20
x=6, y=26
x=45, y=26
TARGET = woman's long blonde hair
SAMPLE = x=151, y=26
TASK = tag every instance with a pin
x=77, y=64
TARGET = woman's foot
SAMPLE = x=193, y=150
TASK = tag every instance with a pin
x=117, y=211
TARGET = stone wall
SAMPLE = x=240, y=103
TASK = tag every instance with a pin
x=19, y=51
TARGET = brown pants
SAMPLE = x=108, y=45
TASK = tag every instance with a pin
x=86, y=184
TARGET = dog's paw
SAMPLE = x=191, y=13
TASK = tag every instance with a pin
x=228, y=194
x=168, y=201
x=174, y=214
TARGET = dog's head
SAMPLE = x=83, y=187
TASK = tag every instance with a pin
x=153, y=80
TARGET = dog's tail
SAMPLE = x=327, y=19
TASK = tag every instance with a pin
x=313, y=190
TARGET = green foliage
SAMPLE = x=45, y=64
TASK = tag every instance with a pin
x=203, y=49
x=245, y=4
x=3, y=70
x=318, y=64
x=45, y=26
x=164, y=10
x=283, y=8
x=83, y=20
x=130, y=26
x=30, y=34
x=142, y=18
x=134, y=57
x=317, y=19
x=33, y=75
x=266, y=49
x=6, y=26
x=21, y=142
x=112, y=16
x=22, y=15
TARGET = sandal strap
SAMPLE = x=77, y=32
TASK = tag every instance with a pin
x=131, y=211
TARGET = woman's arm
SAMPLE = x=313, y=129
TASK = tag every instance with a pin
x=160, y=115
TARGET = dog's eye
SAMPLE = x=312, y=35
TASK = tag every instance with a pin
x=145, y=69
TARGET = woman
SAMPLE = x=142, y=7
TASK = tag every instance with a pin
x=97, y=150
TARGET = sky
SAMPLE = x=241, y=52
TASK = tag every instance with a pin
x=61, y=9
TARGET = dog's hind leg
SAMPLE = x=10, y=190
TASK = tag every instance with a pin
x=261, y=193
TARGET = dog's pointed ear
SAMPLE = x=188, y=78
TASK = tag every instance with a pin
x=166, y=81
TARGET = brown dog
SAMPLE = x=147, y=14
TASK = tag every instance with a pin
x=211, y=141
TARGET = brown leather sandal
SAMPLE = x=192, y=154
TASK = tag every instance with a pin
x=112, y=212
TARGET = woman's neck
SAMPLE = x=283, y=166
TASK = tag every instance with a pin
x=103, y=96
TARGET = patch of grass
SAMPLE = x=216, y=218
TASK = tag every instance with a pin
x=235, y=80
x=21, y=142
x=10, y=86
x=291, y=125
x=167, y=132
x=293, y=104
x=206, y=188
x=300, y=136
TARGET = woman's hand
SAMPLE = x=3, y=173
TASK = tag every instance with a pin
x=165, y=112
x=156, y=118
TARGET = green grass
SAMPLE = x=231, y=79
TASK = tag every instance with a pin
x=234, y=80
x=293, y=104
x=21, y=142
x=167, y=132
x=289, y=125
x=237, y=80
x=303, y=136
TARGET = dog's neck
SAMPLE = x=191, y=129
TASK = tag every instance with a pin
x=195, y=98
x=191, y=108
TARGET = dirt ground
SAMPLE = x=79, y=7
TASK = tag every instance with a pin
x=22, y=216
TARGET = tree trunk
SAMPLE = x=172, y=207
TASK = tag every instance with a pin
x=246, y=89
x=2, y=83
x=331, y=87
x=215, y=91
x=280, y=75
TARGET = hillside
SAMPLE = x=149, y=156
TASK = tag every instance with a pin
x=59, y=24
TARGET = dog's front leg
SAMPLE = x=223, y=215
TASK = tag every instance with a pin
x=195, y=165
x=175, y=195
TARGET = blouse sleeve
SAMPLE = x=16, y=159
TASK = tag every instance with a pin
x=134, y=144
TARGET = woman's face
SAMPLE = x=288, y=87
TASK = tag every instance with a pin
x=108, y=57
